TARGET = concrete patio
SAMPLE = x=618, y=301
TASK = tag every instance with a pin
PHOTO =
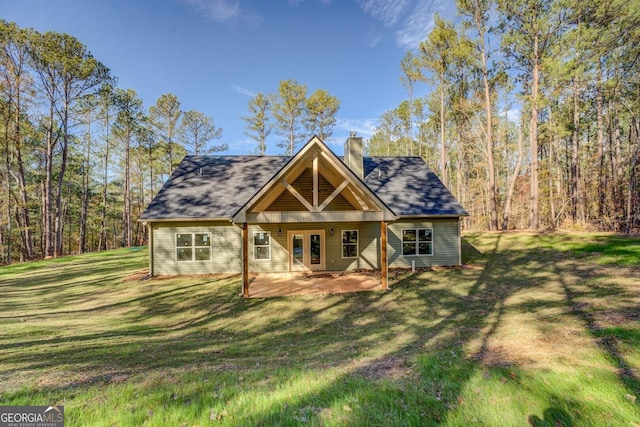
x=304, y=283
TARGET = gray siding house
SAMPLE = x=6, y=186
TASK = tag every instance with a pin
x=311, y=211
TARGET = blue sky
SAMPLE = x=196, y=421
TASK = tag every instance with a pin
x=214, y=55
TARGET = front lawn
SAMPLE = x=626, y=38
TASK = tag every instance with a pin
x=536, y=329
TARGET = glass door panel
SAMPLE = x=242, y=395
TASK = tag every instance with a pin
x=315, y=249
x=306, y=250
x=297, y=251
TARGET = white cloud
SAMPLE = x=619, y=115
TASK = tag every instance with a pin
x=297, y=2
x=420, y=22
x=418, y=25
x=216, y=10
x=374, y=37
x=387, y=12
x=411, y=19
x=223, y=11
x=243, y=90
x=363, y=127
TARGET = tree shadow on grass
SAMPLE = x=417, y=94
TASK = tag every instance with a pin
x=398, y=358
x=552, y=417
x=606, y=338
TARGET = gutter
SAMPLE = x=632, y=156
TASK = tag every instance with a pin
x=432, y=216
x=143, y=220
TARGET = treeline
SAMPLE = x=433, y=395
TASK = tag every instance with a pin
x=534, y=124
x=294, y=116
x=534, y=120
x=80, y=158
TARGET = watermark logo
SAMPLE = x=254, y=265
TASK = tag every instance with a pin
x=31, y=416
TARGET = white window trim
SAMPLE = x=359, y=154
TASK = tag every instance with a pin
x=342, y=244
x=193, y=247
x=417, y=230
x=261, y=246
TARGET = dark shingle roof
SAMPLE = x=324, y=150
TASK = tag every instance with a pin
x=218, y=186
x=212, y=186
x=409, y=187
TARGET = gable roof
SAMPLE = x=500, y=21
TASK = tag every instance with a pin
x=219, y=187
x=315, y=148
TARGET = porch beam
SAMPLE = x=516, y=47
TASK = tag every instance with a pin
x=383, y=255
x=297, y=195
x=245, y=260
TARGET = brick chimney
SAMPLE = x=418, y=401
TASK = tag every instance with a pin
x=353, y=154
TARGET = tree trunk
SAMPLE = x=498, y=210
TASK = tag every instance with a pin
x=25, y=229
x=633, y=193
x=512, y=183
x=102, y=242
x=82, y=247
x=126, y=214
x=48, y=200
x=577, y=198
x=491, y=185
x=534, y=221
x=617, y=162
x=443, y=148
x=600, y=155
x=59, y=214
x=552, y=202
x=9, y=232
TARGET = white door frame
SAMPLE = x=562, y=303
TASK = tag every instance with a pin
x=306, y=250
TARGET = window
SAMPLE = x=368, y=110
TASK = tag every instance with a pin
x=349, y=243
x=261, y=246
x=417, y=241
x=193, y=247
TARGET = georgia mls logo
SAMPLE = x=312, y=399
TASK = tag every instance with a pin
x=31, y=416
x=53, y=408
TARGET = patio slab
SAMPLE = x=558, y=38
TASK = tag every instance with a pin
x=304, y=283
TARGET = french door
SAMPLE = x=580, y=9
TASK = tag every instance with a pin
x=306, y=250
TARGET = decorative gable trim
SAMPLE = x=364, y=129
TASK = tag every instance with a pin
x=315, y=150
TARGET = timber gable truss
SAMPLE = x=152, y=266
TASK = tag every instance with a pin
x=314, y=186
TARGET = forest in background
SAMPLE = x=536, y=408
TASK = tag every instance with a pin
x=532, y=123
x=81, y=158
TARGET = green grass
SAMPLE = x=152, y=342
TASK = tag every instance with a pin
x=537, y=329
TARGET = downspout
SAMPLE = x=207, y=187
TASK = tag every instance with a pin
x=383, y=256
x=459, y=240
x=151, y=263
x=245, y=260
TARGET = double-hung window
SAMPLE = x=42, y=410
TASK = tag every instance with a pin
x=417, y=241
x=261, y=245
x=349, y=243
x=193, y=247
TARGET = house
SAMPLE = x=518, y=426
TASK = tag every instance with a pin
x=311, y=211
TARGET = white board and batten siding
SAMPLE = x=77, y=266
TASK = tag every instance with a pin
x=446, y=243
x=226, y=248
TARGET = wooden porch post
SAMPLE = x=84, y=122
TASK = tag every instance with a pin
x=245, y=260
x=383, y=254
